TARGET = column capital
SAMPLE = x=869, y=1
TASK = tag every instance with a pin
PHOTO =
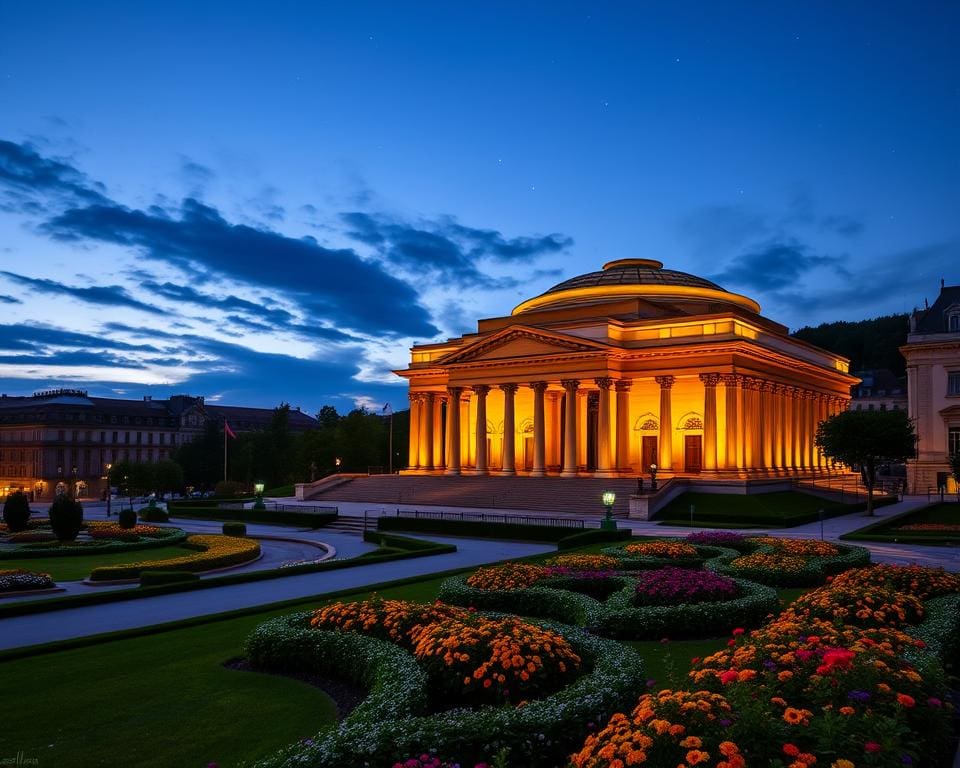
x=429, y=396
x=779, y=389
x=710, y=379
x=416, y=397
x=752, y=383
x=454, y=392
x=623, y=385
x=480, y=389
x=665, y=382
x=603, y=382
x=571, y=385
x=767, y=386
x=509, y=389
x=538, y=386
x=731, y=379
x=554, y=395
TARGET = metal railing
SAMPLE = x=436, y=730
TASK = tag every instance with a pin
x=852, y=486
x=273, y=506
x=487, y=517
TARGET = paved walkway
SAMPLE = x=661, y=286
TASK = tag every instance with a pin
x=80, y=622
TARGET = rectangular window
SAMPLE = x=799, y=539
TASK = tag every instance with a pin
x=103, y=437
x=953, y=383
x=139, y=437
x=163, y=438
x=953, y=438
x=126, y=438
x=149, y=438
x=955, y=322
x=61, y=435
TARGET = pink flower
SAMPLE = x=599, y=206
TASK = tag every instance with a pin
x=872, y=746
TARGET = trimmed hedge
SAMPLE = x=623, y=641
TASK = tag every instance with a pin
x=299, y=519
x=214, y=552
x=624, y=620
x=940, y=628
x=477, y=530
x=812, y=574
x=154, y=515
x=593, y=536
x=234, y=529
x=541, y=733
x=631, y=562
x=16, y=511
x=156, y=578
x=169, y=537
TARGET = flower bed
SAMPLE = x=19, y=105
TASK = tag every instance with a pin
x=215, y=552
x=112, y=531
x=728, y=539
x=800, y=547
x=582, y=563
x=937, y=527
x=922, y=582
x=30, y=537
x=782, y=562
x=104, y=537
x=864, y=606
x=391, y=620
x=670, y=586
x=392, y=723
x=507, y=576
x=19, y=580
x=802, y=689
x=658, y=553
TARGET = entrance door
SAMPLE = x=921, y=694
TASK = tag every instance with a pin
x=648, y=452
x=692, y=451
x=527, y=453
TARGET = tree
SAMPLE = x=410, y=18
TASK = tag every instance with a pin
x=955, y=468
x=867, y=439
x=167, y=476
x=16, y=511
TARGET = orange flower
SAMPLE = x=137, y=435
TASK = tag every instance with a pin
x=791, y=750
x=695, y=757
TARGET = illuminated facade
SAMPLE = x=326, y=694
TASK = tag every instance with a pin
x=611, y=372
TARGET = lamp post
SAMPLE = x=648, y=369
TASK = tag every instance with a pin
x=608, y=523
x=337, y=462
x=108, y=467
x=74, y=475
x=653, y=478
x=258, y=490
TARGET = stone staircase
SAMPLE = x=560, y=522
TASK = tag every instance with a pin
x=579, y=495
x=351, y=525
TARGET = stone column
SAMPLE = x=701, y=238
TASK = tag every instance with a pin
x=453, y=431
x=556, y=429
x=766, y=421
x=570, y=428
x=734, y=422
x=623, y=424
x=749, y=423
x=480, y=390
x=811, y=429
x=509, y=466
x=780, y=447
x=426, y=438
x=413, y=460
x=604, y=454
x=666, y=423
x=439, y=461
x=539, y=468
x=710, y=381
x=802, y=439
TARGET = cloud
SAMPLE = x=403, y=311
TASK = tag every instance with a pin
x=448, y=250
x=30, y=180
x=9, y=299
x=107, y=295
x=847, y=226
x=21, y=336
x=775, y=265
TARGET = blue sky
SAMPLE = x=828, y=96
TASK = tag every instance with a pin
x=272, y=201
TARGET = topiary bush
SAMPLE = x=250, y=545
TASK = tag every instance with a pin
x=127, y=518
x=66, y=517
x=154, y=515
x=228, y=489
x=234, y=529
x=16, y=511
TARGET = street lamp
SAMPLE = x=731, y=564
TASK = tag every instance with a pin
x=258, y=491
x=608, y=523
x=108, y=467
x=653, y=478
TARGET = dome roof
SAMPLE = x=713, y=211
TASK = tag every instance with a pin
x=625, y=278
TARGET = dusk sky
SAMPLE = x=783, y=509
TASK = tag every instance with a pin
x=263, y=202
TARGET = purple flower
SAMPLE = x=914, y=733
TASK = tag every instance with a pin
x=860, y=696
x=669, y=586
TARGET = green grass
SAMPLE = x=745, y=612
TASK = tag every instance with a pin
x=886, y=530
x=783, y=508
x=283, y=490
x=78, y=567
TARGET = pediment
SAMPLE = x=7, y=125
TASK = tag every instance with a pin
x=521, y=342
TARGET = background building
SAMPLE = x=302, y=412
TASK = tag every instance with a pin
x=932, y=352
x=616, y=370
x=63, y=439
x=879, y=390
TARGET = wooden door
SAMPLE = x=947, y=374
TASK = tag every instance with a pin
x=527, y=453
x=692, y=451
x=648, y=452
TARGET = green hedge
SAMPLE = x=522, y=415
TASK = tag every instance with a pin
x=234, y=529
x=204, y=562
x=154, y=515
x=631, y=562
x=169, y=537
x=812, y=574
x=940, y=628
x=885, y=529
x=593, y=536
x=155, y=578
x=299, y=519
x=623, y=620
x=210, y=501
x=542, y=733
x=477, y=530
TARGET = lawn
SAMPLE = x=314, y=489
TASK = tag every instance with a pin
x=76, y=567
x=940, y=513
x=760, y=510
x=165, y=699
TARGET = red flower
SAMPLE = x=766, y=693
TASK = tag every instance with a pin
x=872, y=746
x=905, y=701
x=729, y=676
x=791, y=750
x=738, y=631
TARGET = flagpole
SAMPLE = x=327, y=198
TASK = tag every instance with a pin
x=224, y=451
x=390, y=444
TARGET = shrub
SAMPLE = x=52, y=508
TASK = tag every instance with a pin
x=234, y=529
x=154, y=515
x=127, y=518
x=18, y=580
x=156, y=578
x=16, y=512
x=216, y=552
x=228, y=489
x=66, y=517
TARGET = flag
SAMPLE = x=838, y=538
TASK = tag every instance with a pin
x=387, y=410
x=228, y=431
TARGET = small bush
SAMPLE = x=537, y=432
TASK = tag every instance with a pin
x=154, y=515
x=127, y=518
x=234, y=529
x=16, y=511
x=66, y=517
x=228, y=489
x=156, y=578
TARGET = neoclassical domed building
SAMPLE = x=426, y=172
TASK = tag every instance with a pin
x=613, y=371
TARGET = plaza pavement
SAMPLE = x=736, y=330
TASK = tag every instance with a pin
x=80, y=622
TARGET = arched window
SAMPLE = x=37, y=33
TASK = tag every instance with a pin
x=646, y=422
